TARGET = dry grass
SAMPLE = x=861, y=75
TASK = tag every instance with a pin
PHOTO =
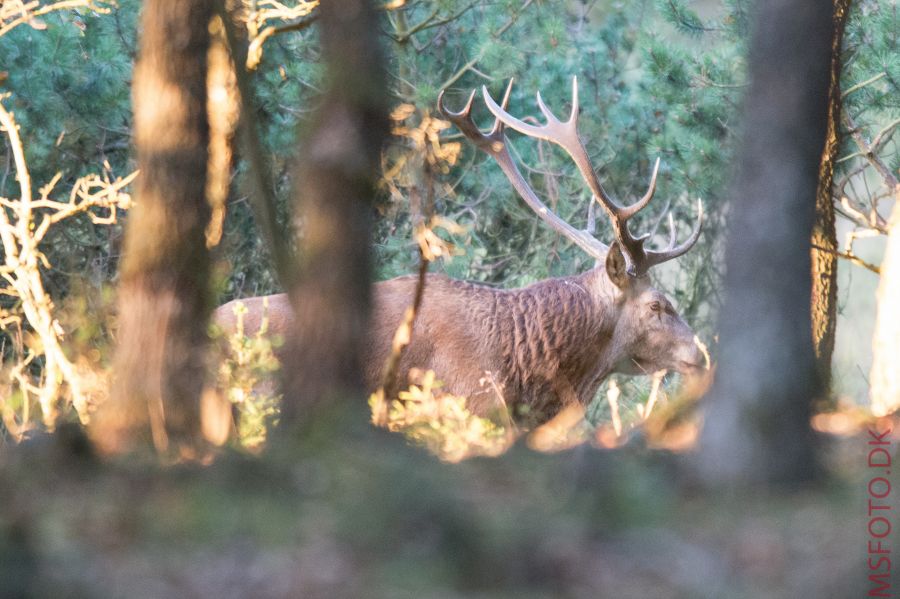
x=439, y=422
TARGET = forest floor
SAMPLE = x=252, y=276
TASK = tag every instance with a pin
x=372, y=517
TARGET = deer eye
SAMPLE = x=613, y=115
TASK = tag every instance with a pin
x=655, y=306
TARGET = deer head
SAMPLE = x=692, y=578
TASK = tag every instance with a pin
x=648, y=335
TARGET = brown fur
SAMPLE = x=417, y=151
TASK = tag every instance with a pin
x=534, y=349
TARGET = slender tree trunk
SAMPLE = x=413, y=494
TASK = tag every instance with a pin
x=335, y=187
x=164, y=297
x=885, y=376
x=824, y=236
x=757, y=414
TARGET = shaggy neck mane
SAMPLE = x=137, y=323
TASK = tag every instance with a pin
x=551, y=338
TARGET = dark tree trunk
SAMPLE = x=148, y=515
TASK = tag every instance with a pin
x=334, y=190
x=824, y=236
x=757, y=414
x=164, y=297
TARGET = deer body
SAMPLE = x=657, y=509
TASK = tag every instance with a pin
x=532, y=350
x=539, y=347
x=536, y=349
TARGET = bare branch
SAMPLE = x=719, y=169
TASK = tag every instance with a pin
x=863, y=84
x=21, y=271
x=16, y=12
x=869, y=151
x=851, y=257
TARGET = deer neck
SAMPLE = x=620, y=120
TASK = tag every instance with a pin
x=604, y=350
x=558, y=334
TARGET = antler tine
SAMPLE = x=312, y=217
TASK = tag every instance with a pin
x=510, y=121
x=467, y=109
x=463, y=118
x=565, y=135
x=494, y=143
x=629, y=211
x=672, y=237
x=464, y=122
x=548, y=114
x=573, y=116
x=561, y=133
x=653, y=258
x=498, y=124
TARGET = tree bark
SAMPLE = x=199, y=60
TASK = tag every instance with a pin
x=334, y=191
x=757, y=413
x=164, y=295
x=824, y=236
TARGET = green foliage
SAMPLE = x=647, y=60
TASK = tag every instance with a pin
x=679, y=14
x=871, y=77
x=71, y=93
x=645, y=94
x=71, y=98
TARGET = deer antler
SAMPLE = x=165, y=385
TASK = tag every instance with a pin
x=565, y=134
x=494, y=143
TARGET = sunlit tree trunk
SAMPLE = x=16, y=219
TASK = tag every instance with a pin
x=334, y=190
x=824, y=236
x=885, y=376
x=757, y=414
x=164, y=298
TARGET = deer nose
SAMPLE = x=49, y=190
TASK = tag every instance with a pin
x=693, y=356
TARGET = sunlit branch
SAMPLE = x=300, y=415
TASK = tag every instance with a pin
x=16, y=12
x=850, y=257
x=23, y=260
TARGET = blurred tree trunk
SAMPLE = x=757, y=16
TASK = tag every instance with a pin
x=824, y=236
x=164, y=297
x=885, y=375
x=757, y=413
x=334, y=190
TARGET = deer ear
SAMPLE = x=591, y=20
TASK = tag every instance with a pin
x=615, y=266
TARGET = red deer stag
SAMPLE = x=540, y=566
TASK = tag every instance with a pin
x=536, y=349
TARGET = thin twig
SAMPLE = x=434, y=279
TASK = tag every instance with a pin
x=851, y=257
x=33, y=9
x=430, y=21
x=868, y=151
x=404, y=332
x=862, y=84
